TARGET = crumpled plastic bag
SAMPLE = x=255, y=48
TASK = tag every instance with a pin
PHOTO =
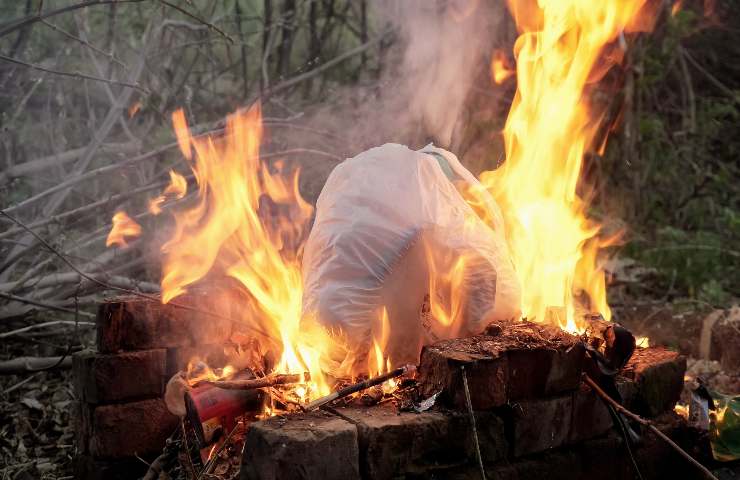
x=397, y=256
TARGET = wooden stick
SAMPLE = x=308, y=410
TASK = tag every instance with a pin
x=319, y=402
x=268, y=381
x=606, y=398
x=31, y=364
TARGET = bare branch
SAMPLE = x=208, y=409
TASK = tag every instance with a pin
x=72, y=74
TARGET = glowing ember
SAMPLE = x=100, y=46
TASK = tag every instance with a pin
x=123, y=227
x=550, y=125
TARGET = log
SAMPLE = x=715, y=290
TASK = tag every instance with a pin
x=268, y=381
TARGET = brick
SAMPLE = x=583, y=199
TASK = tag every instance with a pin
x=540, y=425
x=525, y=360
x=106, y=378
x=657, y=374
x=302, y=446
x=399, y=443
x=135, y=323
x=591, y=416
x=124, y=430
x=86, y=467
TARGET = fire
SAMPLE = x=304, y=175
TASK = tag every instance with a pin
x=177, y=188
x=377, y=362
x=247, y=224
x=500, y=70
x=550, y=126
x=123, y=227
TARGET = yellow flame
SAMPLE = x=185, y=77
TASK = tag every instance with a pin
x=550, y=125
x=123, y=227
x=247, y=224
x=177, y=188
x=500, y=71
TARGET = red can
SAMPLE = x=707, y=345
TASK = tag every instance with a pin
x=214, y=411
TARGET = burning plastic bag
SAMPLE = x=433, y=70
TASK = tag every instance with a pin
x=397, y=258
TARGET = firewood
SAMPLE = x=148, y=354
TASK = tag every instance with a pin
x=268, y=381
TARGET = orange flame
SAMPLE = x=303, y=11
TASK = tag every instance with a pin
x=500, y=70
x=177, y=188
x=247, y=224
x=123, y=226
x=550, y=125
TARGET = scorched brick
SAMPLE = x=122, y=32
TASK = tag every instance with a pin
x=657, y=376
x=107, y=378
x=305, y=446
x=524, y=360
x=394, y=444
x=135, y=323
x=124, y=430
x=540, y=425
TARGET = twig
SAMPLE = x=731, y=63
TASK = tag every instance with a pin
x=33, y=364
x=44, y=324
x=268, y=381
x=18, y=24
x=198, y=19
x=606, y=398
x=472, y=423
x=72, y=74
x=89, y=45
x=37, y=303
x=113, y=287
x=20, y=384
x=349, y=390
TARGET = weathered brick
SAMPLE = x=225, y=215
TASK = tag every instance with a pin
x=541, y=424
x=87, y=467
x=124, y=430
x=301, y=446
x=657, y=374
x=399, y=443
x=525, y=360
x=591, y=416
x=725, y=339
x=106, y=378
x=135, y=323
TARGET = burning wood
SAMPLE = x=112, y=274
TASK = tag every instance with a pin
x=359, y=386
x=268, y=381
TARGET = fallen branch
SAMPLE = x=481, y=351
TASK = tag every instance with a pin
x=46, y=324
x=647, y=423
x=33, y=364
x=268, y=381
x=47, y=306
x=346, y=391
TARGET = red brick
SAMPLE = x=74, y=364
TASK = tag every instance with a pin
x=524, y=361
x=125, y=430
x=591, y=416
x=541, y=424
x=106, y=378
x=135, y=323
x=313, y=445
x=657, y=374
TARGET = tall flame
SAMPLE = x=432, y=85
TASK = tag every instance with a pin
x=551, y=123
x=247, y=223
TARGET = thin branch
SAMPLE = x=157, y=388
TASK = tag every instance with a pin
x=18, y=24
x=72, y=74
x=37, y=303
x=46, y=324
x=198, y=19
x=89, y=45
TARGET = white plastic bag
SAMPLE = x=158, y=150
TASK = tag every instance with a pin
x=393, y=233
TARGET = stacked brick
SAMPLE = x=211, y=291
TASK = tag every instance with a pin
x=534, y=417
x=121, y=414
